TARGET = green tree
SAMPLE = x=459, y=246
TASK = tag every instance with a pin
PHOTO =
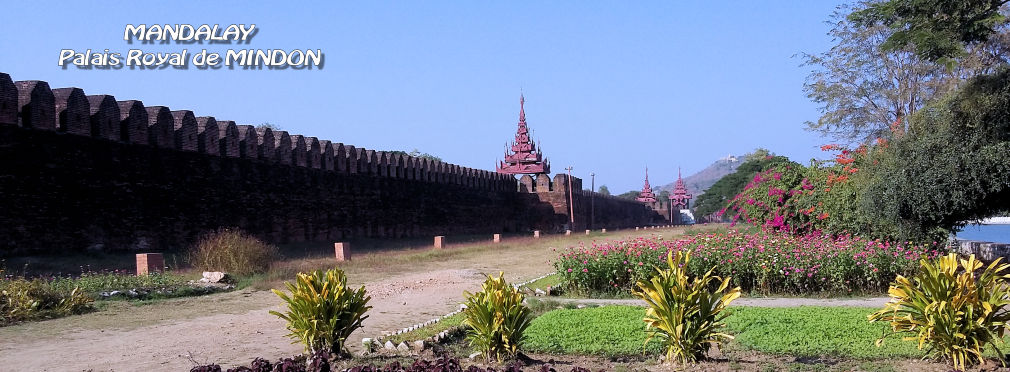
x=417, y=154
x=604, y=190
x=268, y=125
x=864, y=90
x=952, y=165
x=630, y=195
x=937, y=30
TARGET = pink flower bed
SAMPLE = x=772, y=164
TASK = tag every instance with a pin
x=763, y=262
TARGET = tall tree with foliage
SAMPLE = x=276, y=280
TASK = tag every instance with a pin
x=952, y=166
x=866, y=91
x=936, y=30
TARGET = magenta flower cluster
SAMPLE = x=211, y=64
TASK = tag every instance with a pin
x=764, y=262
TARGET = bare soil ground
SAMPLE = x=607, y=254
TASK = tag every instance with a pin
x=407, y=287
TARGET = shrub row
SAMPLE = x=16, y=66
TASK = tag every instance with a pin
x=763, y=262
x=23, y=299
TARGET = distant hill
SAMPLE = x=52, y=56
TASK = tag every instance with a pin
x=699, y=182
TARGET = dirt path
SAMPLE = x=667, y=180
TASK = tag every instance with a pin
x=162, y=342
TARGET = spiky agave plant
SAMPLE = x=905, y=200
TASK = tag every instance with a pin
x=496, y=318
x=322, y=311
x=952, y=307
x=683, y=312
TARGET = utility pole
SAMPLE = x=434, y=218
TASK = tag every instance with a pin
x=592, y=202
x=571, y=199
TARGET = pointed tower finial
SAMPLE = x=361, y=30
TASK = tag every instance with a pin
x=522, y=109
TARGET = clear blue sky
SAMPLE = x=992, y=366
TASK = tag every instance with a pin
x=610, y=86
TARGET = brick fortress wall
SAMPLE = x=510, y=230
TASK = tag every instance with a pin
x=89, y=172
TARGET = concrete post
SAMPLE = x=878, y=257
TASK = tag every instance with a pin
x=439, y=242
x=536, y=234
x=342, y=250
x=150, y=263
x=497, y=238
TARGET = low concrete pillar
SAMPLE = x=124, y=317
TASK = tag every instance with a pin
x=342, y=251
x=439, y=242
x=150, y=263
x=603, y=231
x=536, y=233
x=568, y=232
x=587, y=232
x=497, y=238
x=636, y=228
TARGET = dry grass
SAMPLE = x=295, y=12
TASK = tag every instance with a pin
x=233, y=252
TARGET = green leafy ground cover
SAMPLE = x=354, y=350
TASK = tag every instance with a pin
x=608, y=330
x=797, y=331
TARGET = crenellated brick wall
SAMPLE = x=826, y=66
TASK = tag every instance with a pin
x=89, y=172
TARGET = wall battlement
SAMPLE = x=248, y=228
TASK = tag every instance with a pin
x=90, y=171
x=32, y=104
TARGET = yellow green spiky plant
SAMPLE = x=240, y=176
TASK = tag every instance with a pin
x=685, y=313
x=952, y=307
x=322, y=311
x=496, y=319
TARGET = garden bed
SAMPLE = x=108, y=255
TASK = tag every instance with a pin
x=760, y=263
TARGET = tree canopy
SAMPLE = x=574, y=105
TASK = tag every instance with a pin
x=873, y=78
x=934, y=29
x=952, y=167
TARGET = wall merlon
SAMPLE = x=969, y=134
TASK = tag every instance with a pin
x=160, y=127
x=8, y=101
x=326, y=161
x=353, y=164
x=36, y=105
x=340, y=158
x=298, y=150
x=228, y=139
x=104, y=117
x=248, y=142
x=133, y=122
x=282, y=146
x=73, y=112
x=372, y=162
x=266, y=144
x=184, y=123
x=207, y=135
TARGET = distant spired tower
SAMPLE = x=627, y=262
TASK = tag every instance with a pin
x=524, y=159
x=680, y=197
x=646, y=196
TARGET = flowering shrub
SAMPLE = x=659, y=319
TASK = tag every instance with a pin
x=763, y=262
x=825, y=197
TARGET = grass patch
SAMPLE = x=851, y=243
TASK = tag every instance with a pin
x=609, y=331
x=451, y=321
x=815, y=331
x=807, y=331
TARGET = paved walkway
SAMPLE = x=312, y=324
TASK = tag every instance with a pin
x=755, y=301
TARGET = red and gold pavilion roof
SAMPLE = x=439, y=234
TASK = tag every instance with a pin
x=524, y=157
